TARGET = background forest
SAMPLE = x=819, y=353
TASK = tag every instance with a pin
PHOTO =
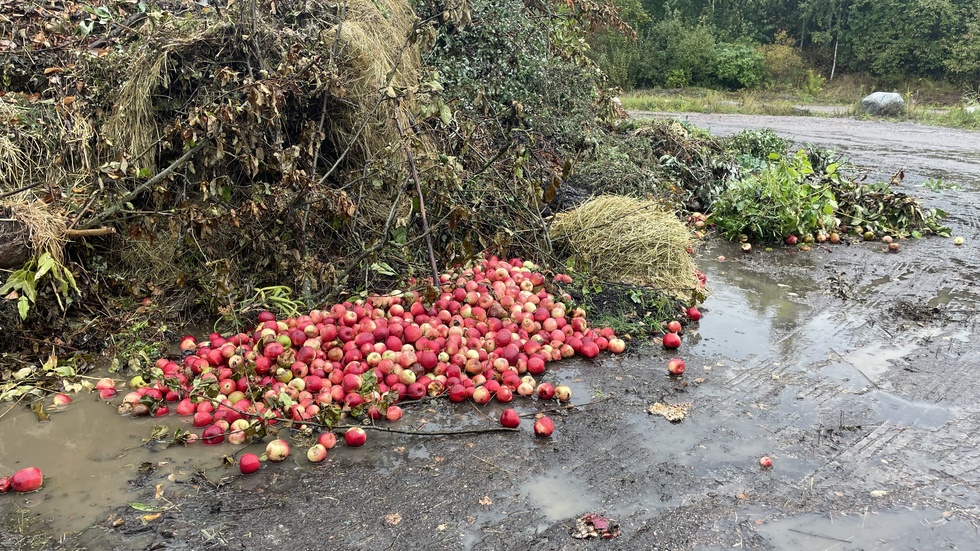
x=792, y=43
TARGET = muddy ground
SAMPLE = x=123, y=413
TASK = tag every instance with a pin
x=856, y=370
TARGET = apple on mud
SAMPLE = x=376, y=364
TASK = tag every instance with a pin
x=328, y=440
x=510, y=419
x=355, y=437
x=27, y=480
x=317, y=453
x=675, y=366
x=544, y=426
x=277, y=450
x=672, y=340
x=249, y=463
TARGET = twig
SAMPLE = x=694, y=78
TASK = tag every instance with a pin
x=565, y=407
x=93, y=232
x=19, y=190
x=832, y=538
x=117, y=30
x=418, y=190
x=428, y=433
x=97, y=221
x=19, y=400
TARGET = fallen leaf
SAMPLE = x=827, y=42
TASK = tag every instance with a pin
x=671, y=412
x=878, y=493
x=485, y=500
x=393, y=518
x=150, y=518
x=159, y=491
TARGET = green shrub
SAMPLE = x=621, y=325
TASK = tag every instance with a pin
x=738, y=66
x=783, y=63
x=676, y=55
x=756, y=143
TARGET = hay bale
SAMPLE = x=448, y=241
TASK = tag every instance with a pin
x=619, y=238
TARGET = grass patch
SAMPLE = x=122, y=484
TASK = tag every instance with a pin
x=935, y=104
x=691, y=100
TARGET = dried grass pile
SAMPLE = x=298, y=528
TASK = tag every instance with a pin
x=619, y=238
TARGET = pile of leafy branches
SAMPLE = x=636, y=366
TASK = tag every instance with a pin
x=256, y=155
x=808, y=193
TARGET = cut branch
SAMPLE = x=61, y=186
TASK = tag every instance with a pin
x=119, y=205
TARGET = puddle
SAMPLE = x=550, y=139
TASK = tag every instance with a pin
x=876, y=359
x=747, y=310
x=559, y=495
x=83, y=453
x=892, y=529
x=909, y=413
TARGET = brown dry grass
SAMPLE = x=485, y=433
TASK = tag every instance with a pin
x=619, y=238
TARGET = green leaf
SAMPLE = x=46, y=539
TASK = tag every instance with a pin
x=44, y=265
x=65, y=371
x=144, y=507
x=445, y=114
x=23, y=307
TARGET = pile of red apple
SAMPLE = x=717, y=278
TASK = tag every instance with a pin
x=493, y=329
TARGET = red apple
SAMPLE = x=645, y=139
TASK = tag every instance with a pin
x=675, y=366
x=27, y=480
x=510, y=419
x=213, y=435
x=355, y=437
x=393, y=413
x=674, y=326
x=328, y=440
x=693, y=314
x=61, y=399
x=544, y=426
x=617, y=346
x=249, y=463
x=5, y=483
x=765, y=461
x=589, y=349
x=546, y=391
x=672, y=340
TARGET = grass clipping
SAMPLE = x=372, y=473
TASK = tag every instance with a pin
x=619, y=238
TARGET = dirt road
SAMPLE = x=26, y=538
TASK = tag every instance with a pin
x=855, y=369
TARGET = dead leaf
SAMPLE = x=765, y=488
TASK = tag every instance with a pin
x=393, y=518
x=671, y=412
x=68, y=100
x=150, y=518
x=485, y=500
x=159, y=491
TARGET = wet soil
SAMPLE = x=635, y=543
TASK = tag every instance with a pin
x=853, y=368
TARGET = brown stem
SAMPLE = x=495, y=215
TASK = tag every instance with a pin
x=93, y=232
x=118, y=206
x=418, y=190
